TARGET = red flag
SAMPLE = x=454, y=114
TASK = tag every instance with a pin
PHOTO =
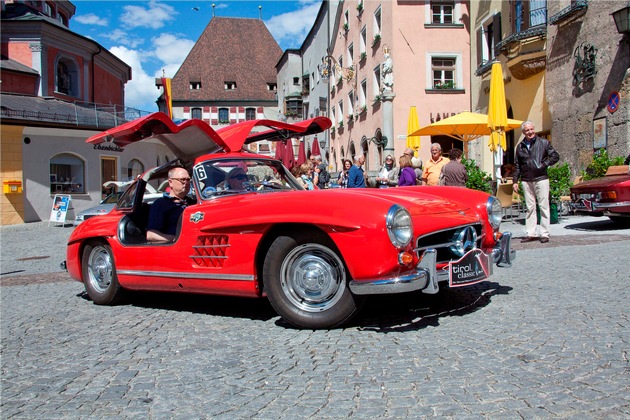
x=166, y=84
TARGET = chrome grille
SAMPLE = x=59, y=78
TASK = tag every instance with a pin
x=442, y=240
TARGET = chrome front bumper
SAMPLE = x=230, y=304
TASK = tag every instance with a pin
x=425, y=276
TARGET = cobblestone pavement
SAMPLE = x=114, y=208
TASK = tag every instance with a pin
x=548, y=338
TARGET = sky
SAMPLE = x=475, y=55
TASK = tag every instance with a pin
x=154, y=37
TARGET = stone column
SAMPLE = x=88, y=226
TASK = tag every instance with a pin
x=387, y=99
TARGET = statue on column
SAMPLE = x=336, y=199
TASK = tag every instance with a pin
x=387, y=73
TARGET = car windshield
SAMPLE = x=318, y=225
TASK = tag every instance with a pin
x=235, y=176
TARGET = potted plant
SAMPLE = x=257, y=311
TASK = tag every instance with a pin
x=346, y=27
x=445, y=85
x=559, y=185
x=377, y=99
x=360, y=7
x=363, y=109
x=363, y=56
x=477, y=179
x=376, y=40
x=340, y=125
x=599, y=165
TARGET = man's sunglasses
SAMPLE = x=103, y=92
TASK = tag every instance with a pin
x=182, y=180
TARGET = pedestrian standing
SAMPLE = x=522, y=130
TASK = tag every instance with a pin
x=407, y=175
x=433, y=167
x=454, y=173
x=534, y=155
x=356, y=179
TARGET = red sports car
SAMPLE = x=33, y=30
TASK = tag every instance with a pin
x=606, y=196
x=313, y=254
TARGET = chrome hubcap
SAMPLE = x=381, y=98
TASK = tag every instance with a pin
x=100, y=269
x=313, y=277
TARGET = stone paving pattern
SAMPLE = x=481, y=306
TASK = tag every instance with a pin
x=548, y=338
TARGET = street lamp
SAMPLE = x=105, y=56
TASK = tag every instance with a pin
x=622, y=20
x=328, y=63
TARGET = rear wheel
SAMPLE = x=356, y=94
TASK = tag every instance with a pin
x=99, y=274
x=306, y=282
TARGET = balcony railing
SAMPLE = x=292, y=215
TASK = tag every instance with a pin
x=80, y=114
x=569, y=11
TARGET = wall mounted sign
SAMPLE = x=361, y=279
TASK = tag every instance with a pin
x=613, y=102
x=599, y=133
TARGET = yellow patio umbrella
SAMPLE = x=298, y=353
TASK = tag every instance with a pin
x=497, y=111
x=413, y=141
x=465, y=126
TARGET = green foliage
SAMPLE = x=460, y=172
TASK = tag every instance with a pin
x=599, y=165
x=477, y=179
x=559, y=181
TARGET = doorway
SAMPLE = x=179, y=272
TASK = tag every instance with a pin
x=109, y=170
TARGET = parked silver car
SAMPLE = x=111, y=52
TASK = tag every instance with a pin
x=110, y=201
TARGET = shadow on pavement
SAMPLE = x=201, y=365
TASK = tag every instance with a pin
x=604, y=224
x=415, y=311
x=223, y=306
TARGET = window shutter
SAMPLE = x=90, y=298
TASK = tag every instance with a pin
x=241, y=109
x=512, y=17
x=214, y=121
x=214, y=109
x=186, y=109
x=526, y=19
x=479, y=47
x=496, y=25
x=206, y=109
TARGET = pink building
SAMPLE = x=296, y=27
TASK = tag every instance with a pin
x=429, y=46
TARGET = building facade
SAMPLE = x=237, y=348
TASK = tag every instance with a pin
x=563, y=62
x=58, y=89
x=302, y=92
x=588, y=81
x=392, y=56
x=229, y=76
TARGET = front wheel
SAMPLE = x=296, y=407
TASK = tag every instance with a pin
x=99, y=274
x=306, y=282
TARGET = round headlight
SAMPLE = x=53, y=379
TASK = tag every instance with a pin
x=399, y=226
x=493, y=207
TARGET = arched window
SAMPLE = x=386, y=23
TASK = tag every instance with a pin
x=250, y=114
x=134, y=168
x=195, y=113
x=67, y=174
x=66, y=77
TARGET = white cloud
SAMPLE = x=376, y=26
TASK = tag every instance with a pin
x=166, y=56
x=291, y=28
x=124, y=38
x=90, y=19
x=172, y=50
x=140, y=91
x=155, y=16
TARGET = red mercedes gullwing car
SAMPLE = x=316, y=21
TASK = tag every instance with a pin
x=313, y=254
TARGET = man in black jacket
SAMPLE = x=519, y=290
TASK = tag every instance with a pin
x=533, y=156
